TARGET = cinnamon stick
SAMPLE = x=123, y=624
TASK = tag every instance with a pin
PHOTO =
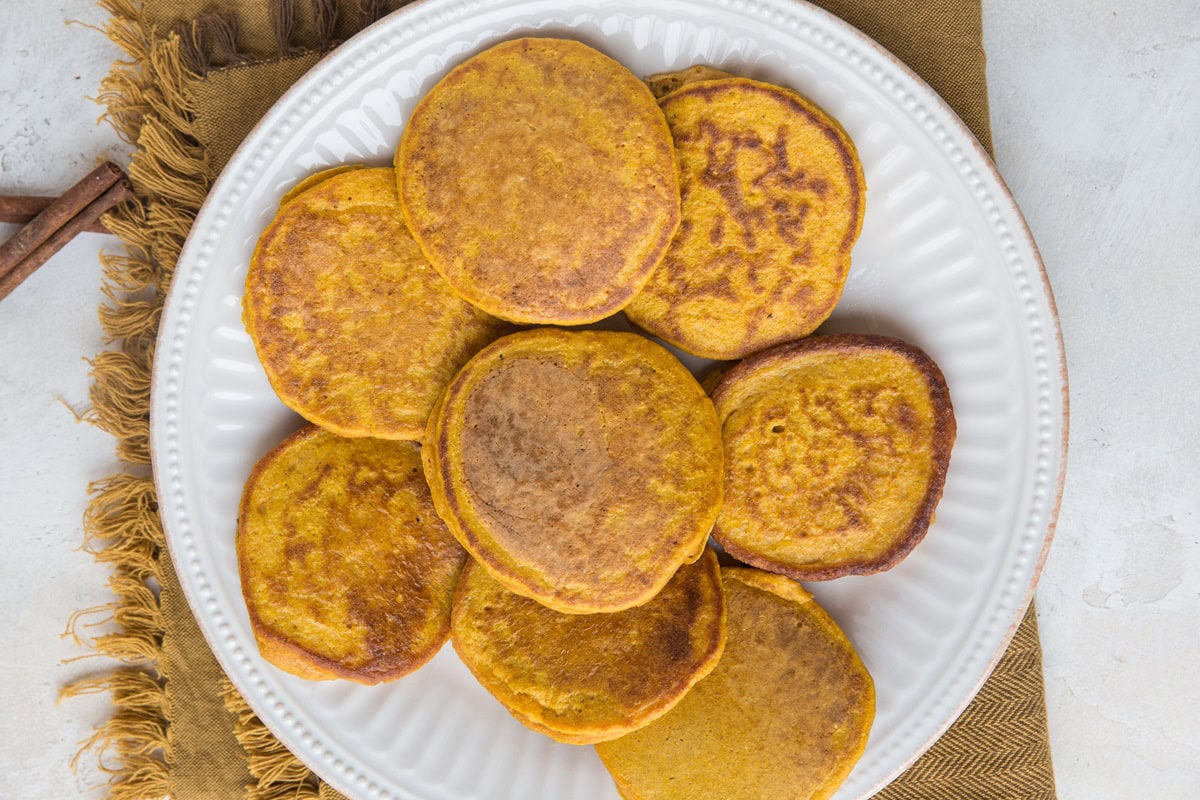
x=21, y=208
x=57, y=214
x=115, y=194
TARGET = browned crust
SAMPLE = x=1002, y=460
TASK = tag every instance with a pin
x=945, y=431
x=252, y=308
x=801, y=603
x=552, y=311
x=290, y=657
x=830, y=128
x=437, y=440
x=706, y=82
x=398, y=412
x=602, y=733
x=439, y=474
x=805, y=604
x=281, y=651
x=663, y=83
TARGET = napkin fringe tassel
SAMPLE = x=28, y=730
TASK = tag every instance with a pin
x=279, y=774
x=146, y=100
x=211, y=40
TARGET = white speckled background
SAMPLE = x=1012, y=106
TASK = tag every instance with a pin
x=1096, y=115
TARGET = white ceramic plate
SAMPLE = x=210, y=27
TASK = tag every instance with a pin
x=944, y=261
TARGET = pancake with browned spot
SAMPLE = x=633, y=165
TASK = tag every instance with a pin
x=666, y=82
x=836, y=452
x=773, y=200
x=539, y=178
x=585, y=678
x=356, y=332
x=346, y=570
x=785, y=714
x=581, y=468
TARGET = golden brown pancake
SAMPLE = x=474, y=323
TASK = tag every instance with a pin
x=312, y=180
x=784, y=715
x=346, y=569
x=836, y=450
x=664, y=83
x=356, y=332
x=585, y=678
x=581, y=468
x=539, y=178
x=773, y=199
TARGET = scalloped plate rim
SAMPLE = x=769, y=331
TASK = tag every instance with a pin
x=340, y=58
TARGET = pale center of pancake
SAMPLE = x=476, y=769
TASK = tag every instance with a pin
x=537, y=461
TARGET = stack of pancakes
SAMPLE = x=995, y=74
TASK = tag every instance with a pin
x=545, y=497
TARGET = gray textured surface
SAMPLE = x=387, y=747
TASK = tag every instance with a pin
x=1095, y=111
x=1095, y=114
x=48, y=140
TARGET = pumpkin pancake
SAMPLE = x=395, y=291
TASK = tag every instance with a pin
x=773, y=199
x=346, y=569
x=540, y=180
x=666, y=82
x=356, y=332
x=312, y=180
x=785, y=714
x=580, y=468
x=585, y=678
x=836, y=451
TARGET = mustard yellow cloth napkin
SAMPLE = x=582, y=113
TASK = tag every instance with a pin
x=199, y=75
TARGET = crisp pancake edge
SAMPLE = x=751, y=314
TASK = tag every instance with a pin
x=945, y=431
